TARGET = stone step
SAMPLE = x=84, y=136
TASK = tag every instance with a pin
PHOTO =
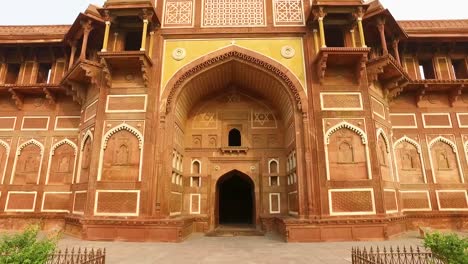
x=232, y=232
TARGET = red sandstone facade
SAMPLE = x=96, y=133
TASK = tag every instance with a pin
x=148, y=121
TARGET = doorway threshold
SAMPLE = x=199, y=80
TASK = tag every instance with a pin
x=232, y=230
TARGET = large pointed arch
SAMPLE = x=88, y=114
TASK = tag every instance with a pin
x=65, y=141
x=277, y=70
x=7, y=151
x=355, y=129
x=454, y=149
x=418, y=149
x=18, y=153
x=108, y=135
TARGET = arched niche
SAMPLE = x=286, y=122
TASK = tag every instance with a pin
x=384, y=156
x=4, y=155
x=347, y=154
x=62, y=162
x=273, y=166
x=28, y=163
x=85, y=157
x=409, y=161
x=121, y=155
x=445, y=163
x=196, y=167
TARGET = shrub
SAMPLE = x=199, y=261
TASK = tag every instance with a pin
x=26, y=247
x=449, y=247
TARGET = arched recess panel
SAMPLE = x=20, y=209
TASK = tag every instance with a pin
x=62, y=164
x=121, y=160
x=4, y=154
x=347, y=156
x=408, y=162
x=85, y=160
x=28, y=165
x=384, y=158
x=444, y=163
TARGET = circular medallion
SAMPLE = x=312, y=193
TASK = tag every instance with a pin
x=288, y=52
x=179, y=54
x=38, y=102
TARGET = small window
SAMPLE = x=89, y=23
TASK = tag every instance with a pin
x=196, y=167
x=273, y=167
x=234, y=138
x=12, y=73
x=133, y=41
x=334, y=37
x=426, y=69
x=44, y=73
x=195, y=181
x=274, y=181
x=460, y=69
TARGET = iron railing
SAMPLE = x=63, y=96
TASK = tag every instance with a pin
x=394, y=256
x=79, y=256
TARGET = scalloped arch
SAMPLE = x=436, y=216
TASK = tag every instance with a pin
x=87, y=135
x=62, y=142
x=121, y=127
x=5, y=145
x=346, y=125
x=380, y=132
x=408, y=140
x=29, y=142
x=444, y=140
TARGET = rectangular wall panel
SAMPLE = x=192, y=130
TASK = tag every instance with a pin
x=35, y=123
x=275, y=203
x=437, y=120
x=67, y=123
x=178, y=13
x=341, y=101
x=452, y=200
x=378, y=108
x=195, y=203
x=462, y=119
x=403, y=120
x=293, y=203
x=175, y=203
x=391, y=202
x=416, y=201
x=117, y=203
x=7, y=123
x=90, y=111
x=351, y=201
x=56, y=202
x=20, y=202
x=126, y=103
x=79, y=202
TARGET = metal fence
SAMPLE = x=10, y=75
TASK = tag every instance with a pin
x=79, y=256
x=394, y=256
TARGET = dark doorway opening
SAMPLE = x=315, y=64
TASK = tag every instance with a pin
x=235, y=199
x=235, y=138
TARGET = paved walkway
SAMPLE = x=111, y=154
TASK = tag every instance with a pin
x=236, y=250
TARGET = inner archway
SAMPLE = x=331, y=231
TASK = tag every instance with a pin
x=236, y=199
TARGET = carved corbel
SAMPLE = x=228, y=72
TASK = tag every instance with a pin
x=49, y=96
x=373, y=74
x=106, y=70
x=144, y=71
x=74, y=90
x=420, y=95
x=455, y=94
x=360, y=68
x=92, y=73
x=322, y=67
x=17, y=98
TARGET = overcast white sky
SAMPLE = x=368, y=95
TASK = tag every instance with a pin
x=31, y=12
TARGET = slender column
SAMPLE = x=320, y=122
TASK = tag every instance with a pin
x=361, y=32
x=143, y=35
x=150, y=51
x=87, y=28
x=316, y=41
x=322, y=33
x=106, y=37
x=72, y=54
x=381, y=28
x=395, y=49
x=353, y=38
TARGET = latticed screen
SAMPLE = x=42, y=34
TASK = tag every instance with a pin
x=352, y=201
x=117, y=202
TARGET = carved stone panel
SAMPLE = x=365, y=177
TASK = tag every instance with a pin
x=444, y=163
x=408, y=163
x=62, y=165
x=346, y=156
x=27, y=165
x=121, y=158
x=85, y=160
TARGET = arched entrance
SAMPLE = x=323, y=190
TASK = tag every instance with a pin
x=235, y=199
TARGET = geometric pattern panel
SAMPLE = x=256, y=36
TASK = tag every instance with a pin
x=233, y=13
x=178, y=13
x=415, y=201
x=56, y=202
x=79, y=202
x=390, y=201
x=288, y=12
x=351, y=202
x=452, y=200
x=341, y=101
x=117, y=202
x=21, y=201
